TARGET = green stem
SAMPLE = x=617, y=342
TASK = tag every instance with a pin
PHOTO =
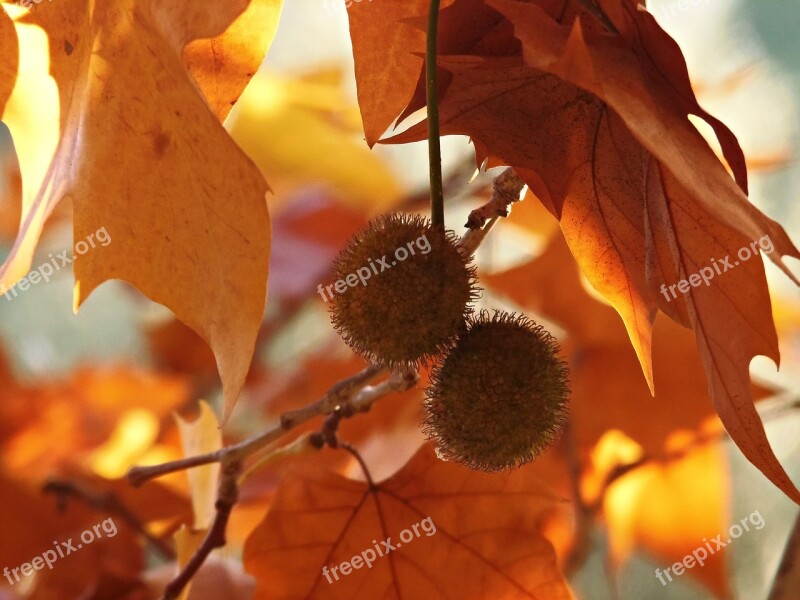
x=432, y=99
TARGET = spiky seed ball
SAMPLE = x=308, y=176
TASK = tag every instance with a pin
x=498, y=398
x=412, y=288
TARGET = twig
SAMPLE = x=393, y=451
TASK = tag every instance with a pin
x=227, y=496
x=349, y=396
x=506, y=190
x=345, y=398
x=361, y=462
x=432, y=101
x=474, y=237
x=340, y=393
x=106, y=502
x=787, y=579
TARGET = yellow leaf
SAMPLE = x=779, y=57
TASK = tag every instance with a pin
x=145, y=162
x=301, y=130
x=199, y=437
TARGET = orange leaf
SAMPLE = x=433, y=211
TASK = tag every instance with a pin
x=597, y=125
x=474, y=532
x=223, y=65
x=669, y=509
x=145, y=160
x=9, y=50
x=386, y=68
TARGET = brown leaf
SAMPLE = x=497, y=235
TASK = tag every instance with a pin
x=597, y=125
x=32, y=522
x=597, y=344
x=386, y=68
x=81, y=413
x=479, y=538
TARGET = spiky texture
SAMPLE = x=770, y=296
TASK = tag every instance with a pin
x=411, y=310
x=498, y=398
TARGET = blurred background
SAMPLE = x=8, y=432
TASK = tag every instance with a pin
x=100, y=386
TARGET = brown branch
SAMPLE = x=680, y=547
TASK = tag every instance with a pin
x=361, y=462
x=506, y=190
x=227, y=496
x=345, y=398
x=341, y=392
x=108, y=503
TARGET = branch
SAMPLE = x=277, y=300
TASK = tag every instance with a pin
x=342, y=392
x=227, y=496
x=108, y=503
x=345, y=398
x=506, y=190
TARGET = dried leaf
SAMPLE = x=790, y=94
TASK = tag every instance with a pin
x=183, y=207
x=480, y=534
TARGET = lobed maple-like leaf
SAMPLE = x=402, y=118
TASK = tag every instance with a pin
x=597, y=124
x=596, y=344
x=483, y=541
x=128, y=138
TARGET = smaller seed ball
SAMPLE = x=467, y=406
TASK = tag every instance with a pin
x=499, y=397
x=408, y=293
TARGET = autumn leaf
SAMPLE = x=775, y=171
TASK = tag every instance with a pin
x=81, y=412
x=386, y=68
x=668, y=508
x=596, y=343
x=693, y=210
x=315, y=135
x=590, y=122
x=9, y=50
x=480, y=538
x=223, y=65
x=31, y=523
x=198, y=437
x=183, y=207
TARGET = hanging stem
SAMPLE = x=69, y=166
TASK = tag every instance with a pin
x=432, y=99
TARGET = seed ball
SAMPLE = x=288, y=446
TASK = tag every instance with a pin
x=499, y=397
x=408, y=293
